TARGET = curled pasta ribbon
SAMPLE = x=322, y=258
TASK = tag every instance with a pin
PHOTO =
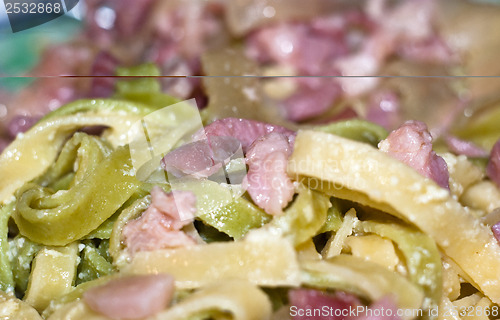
x=100, y=186
x=31, y=154
x=370, y=280
x=82, y=152
x=358, y=172
x=421, y=254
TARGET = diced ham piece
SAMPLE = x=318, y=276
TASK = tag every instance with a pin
x=307, y=49
x=20, y=124
x=49, y=91
x=298, y=44
x=432, y=50
x=267, y=149
x=272, y=142
x=131, y=15
x=246, y=131
x=406, y=29
x=354, y=44
x=384, y=109
x=410, y=19
x=104, y=67
x=496, y=231
x=131, y=297
x=267, y=181
x=467, y=148
x=355, y=67
x=493, y=168
x=309, y=299
x=160, y=225
x=382, y=309
x=3, y=144
x=412, y=144
x=127, y=18
x=393, y=26
x=182, y=31
x=314, y=96
x=340, y=306
x=200, y=159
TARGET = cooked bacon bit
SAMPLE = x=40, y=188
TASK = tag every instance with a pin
x=200, y=159
x=267, y=181
x=246, y=131
x=309, y=299
x=160, y=225
x=467, y=148
x=131, y=297
x=493, y=168
x=412, y=144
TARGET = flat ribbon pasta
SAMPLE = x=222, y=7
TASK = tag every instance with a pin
x=52, y=275
x=6, y=276
x=261, y=258
x=13, y=308
x=303, y=218
x=423, y=260
x=359, y=172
